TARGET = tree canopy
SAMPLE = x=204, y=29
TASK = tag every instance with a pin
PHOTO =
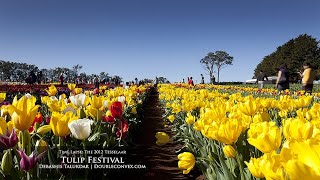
x=18, y=72
x=293, y=53
x=218, y=59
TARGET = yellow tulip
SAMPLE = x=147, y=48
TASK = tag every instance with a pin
x=186, y=162
x=2, y=97
x=10, y=126
x=54, y=105
x=77, y=91
x=96, y=114
x=301, y=159
x=190, y=119
x=4, y=110
x=255, y=166
x=260, y=117
x=229, y=132
x=41, y=146
x=134, y=110
x=176, y=108
x=229, y=151
x=303, y=101
x=265, y=136
x=23, y=111
x=162, y=138
x=297, y=129
x=272, y=168
x=249, y=108
x=3, y=126
x=44, y=99
x=44, y=129
x=59, y=123
x=171, y=118
x=52, y=90
x=71, y=86
x=97, y=102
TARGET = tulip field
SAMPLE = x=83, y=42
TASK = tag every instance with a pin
x=233, y=132
x=225, y=132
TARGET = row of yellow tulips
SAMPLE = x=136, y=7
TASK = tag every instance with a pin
x=233, y=136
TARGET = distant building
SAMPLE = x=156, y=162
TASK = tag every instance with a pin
x=271, y=80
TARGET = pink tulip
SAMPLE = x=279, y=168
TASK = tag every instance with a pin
x=9, y=140
x=28, y=162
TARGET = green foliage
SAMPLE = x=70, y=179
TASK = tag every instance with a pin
x=293, y=53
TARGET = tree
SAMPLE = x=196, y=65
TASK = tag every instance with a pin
x=76, y=69
x=163, y=80
x=293, y=53
x=218, y=59
x=103, y=75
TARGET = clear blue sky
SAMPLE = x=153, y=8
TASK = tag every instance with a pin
x=146, y=38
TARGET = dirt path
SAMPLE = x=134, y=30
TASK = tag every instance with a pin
x=161, y=161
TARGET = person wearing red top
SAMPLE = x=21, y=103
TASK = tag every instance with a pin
x=190, y=81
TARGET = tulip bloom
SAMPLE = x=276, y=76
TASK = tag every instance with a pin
x=297, y=129
x=255, y=166
x=59, y=123
x=41, y=146
x=28, y=162
x=52, y=90
x=71, y=86
x=162, y=138
x=186, y=162
x=228, y=132
x=37, y=119
x=300, y=159
x=23, y=112
x=2, y=97
x=123, y=128
x=116, y=109
x=97, y=102
x=77, y=90
x=9, y=140
x=3, y=126
x=171, y=118
x=81, y=128
x=190, y=119
x=44, y=129
x=109, y=119
x=265, y=136
x=78, y=100
x=229, y=151
x=249, y=108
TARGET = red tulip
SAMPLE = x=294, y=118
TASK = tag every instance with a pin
x=123, y=128
x=116, y=109
x=37, y=119
x=109, y=119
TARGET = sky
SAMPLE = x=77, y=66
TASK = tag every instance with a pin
x=149, y=38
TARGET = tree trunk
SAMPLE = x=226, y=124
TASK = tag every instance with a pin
x=218, y=75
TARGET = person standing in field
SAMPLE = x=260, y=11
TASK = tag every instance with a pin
x=190, y=82
x=260, y=79
x=202, y=79
x=96, y=82
x=308, y=76
x=283, y=78
x=61, y=78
